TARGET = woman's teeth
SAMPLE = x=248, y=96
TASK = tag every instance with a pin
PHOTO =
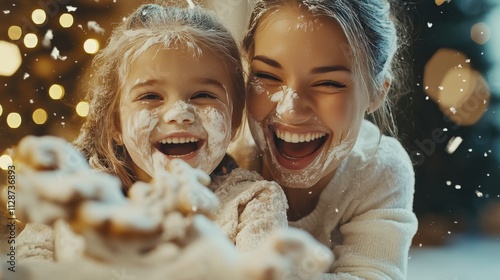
x=179, y=140
x=298, y=137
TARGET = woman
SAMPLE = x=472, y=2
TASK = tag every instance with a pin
x=317, y=69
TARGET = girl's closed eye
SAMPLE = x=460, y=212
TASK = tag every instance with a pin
x=150, y=96
x=204, y=94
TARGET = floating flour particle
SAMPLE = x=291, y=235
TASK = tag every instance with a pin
x=479, y=194
x=429, y=24
x=6, y=12
x=55, y=54
x=26, y=75
x=47, y=38
x=71, y=9
x=453, y=144
x=92, y=25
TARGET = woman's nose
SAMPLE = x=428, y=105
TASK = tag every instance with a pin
x=179, y=113
x=294, y=107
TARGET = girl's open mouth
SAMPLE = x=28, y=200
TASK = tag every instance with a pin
x=179, y=147
x=296, y=150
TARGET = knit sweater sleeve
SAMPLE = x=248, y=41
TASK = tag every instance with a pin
x=366, y=216
x=251, y=208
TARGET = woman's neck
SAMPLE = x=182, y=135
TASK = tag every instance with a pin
x=302, y=201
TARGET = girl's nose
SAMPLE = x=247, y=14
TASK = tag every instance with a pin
x=180, y=113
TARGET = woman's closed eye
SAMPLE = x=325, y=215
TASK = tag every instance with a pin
x=267, y=77
x=330, y=84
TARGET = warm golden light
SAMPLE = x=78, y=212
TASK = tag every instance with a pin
x=30, y=40
x=1, y=110
x=14, y=120
x=56, y=91
x=10, y=58
x=5, y=162
x=39, y=116
x=82, y=109
x=66, y=20
x=15, y=32
x=38, y=16
x=91, y=46
x=480, y=33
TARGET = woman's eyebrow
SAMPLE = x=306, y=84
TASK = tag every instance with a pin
x=330, y=68
x=268, y=61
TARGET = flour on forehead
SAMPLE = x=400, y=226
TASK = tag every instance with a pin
x=306, y=24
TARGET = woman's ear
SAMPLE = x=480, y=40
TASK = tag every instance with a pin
x=378, y=100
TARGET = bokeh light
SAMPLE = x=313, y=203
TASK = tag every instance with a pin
x=30, y=40
x=14, y=120
x=5, y=162
x=1, y=110
x=82, y=109
x=480, y=33
x=39, y=116
x=66, y=20
x=10, y=58
x=15, y=32
x=38, y=16
x=56, y=91
x=91, y=46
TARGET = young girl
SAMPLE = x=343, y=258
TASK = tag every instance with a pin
x=169, y=85
x=318, y=68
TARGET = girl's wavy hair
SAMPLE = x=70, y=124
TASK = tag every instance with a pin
x=376, y=37
x=150, y=25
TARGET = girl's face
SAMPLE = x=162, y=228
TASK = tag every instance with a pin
x=304, y=110
x=175, y=104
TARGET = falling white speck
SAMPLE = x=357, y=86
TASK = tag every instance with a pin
x=487, y=174
x=445, y=129
x=25, y=76
x=453, y=144
x=429, y=24
x=448, y=183
x=470, y=150
x=453, y=110
x=92, y=25
x=56, y=55
x=441, y=87
x=479, y=194
x=71, y=9
x=47, y=38
x=467, y=60
x=420, y=245
x=427, y=98
x=485, y=154
x=6, y=12
x=449, y=232
x=310, y=192
x=336, y=210
x=31, y=101
x=426, y=87
x=457, y=187
x=459, y=66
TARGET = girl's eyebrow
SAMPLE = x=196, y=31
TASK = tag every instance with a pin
x=318, y=70
x=145, y=83
x=209, y=81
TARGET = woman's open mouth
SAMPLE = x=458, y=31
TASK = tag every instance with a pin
x=179, y=147
x=296, y=150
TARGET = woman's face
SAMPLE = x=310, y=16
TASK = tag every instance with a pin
x=304, y=109
x=175, y=105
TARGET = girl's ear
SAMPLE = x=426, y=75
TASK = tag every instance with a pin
x=379, y=99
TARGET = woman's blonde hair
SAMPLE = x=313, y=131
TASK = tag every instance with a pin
x=373, y=35
x=150, y=25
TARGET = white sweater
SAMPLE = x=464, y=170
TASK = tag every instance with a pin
x=365, y=213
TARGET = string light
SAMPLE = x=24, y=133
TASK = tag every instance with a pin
x=30, y=40
x=15, y=32
x=82, y=109
x=39, y=116
x=11, y=59
x=5, y=162
x=91, y=46
x=1, y=110
x=38, y=16
x=14, y=120
x=56, y=91
x=66, y=20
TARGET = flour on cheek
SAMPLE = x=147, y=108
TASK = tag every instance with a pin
x=217, y=124
x=136, y=137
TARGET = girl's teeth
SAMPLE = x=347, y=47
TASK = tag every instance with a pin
x=298, y=138
x=178, y=140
